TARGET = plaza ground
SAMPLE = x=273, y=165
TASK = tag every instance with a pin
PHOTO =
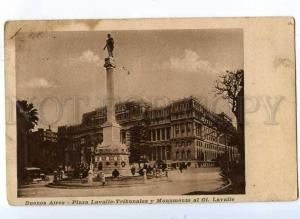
x=190, y=180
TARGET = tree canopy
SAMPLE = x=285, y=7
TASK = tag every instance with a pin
x=27, y=115
x=229, y=86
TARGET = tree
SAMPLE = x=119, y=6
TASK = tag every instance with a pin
x=27, y=119
x=139, y=135
x=231, y=87
x=90, y=150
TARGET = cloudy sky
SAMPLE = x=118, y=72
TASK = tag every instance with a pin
x=56, y=68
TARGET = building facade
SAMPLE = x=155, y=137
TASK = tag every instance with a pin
x=183, y=131
x=43, y=150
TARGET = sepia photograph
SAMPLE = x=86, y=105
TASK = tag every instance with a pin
x=150, y=111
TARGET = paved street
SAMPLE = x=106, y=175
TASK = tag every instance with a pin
x=200, y=179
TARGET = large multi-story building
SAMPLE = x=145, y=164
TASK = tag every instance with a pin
x=183, y=131
x=43, y=150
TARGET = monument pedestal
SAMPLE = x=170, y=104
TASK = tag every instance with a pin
x=111, y=154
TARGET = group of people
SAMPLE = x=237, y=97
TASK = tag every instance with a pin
x=101, y=177
x=182, y=166
x=58, y=175
x=155, y=170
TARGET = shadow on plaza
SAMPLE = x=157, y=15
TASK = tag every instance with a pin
x=200, y=181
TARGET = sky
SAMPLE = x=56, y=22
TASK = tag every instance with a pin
x=62, y=73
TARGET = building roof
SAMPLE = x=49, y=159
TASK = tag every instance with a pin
x=188, y=103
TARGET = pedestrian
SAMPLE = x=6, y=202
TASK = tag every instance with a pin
x=103, y=178
x=115, y=173
x=144, y=175
x=180, y=168
x=62, y=174
x=55, y=180
x=80, y=176
x=133, y=170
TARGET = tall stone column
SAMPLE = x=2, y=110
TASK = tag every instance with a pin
x=110, y=90
x=111, y=129
x=112, y=151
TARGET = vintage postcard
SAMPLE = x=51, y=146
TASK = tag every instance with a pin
x=150, y=111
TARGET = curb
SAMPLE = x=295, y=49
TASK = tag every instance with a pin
x=60, y=186
x=229, y=183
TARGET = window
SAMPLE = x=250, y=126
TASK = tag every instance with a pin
x=100, y=166
x=177, y=129
x=183, y=155
x=189, y=155
x=123, y=137
x=163, y=136
x=158, y=134
x=188, y=127
x=153, y=135
x=154, y=153
x=168, y=133
x=168, y=152
x=163, y=153
x=182, y=128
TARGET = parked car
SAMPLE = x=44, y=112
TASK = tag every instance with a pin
x=33, y=174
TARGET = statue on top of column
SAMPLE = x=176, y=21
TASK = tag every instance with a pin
x=109, y=45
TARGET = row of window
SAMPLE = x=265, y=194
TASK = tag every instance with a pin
x=206, y=155
x=160, y=153
x=181, y=106
x=183, y=129
x=160, y=134
x=183, y=155
x=182, y=115
x=183, y=143
x=159, y=121
x=200, y=107
x=207, y=145
x=129, y=114
x=198, y=129
x=210, y=134
x=160, y=113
